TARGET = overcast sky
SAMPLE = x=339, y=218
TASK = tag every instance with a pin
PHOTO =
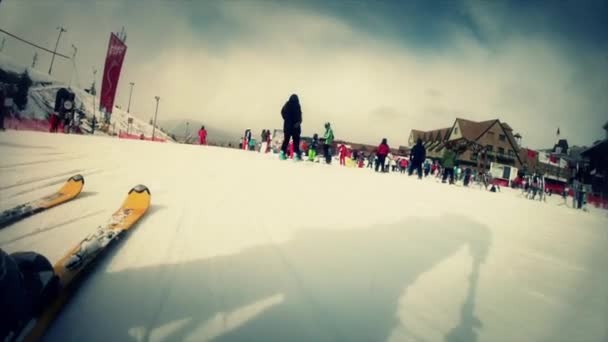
x=374, y=69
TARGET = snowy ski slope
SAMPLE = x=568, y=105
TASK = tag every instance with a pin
x=240, y=246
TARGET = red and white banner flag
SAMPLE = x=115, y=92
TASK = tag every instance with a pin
x=111, y=73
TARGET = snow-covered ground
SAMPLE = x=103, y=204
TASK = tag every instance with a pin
x=239, y=246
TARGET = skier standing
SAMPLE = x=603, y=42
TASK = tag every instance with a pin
x=264, y=141
x=535, y=185
x=268, y=141
x=292, y=121
x=304, y=147
x=427, y=168
x=361, y=160
x=467, y=177
x=342, y=150
x=93, y=124
x=312, y=149
x=403, y=164
x=246, y=138
x=370, y=161
x=417, y=157
x=381, y=153
x=202, y=136
x=328, y=139
x=449, y=161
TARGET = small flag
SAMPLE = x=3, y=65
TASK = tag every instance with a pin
x=558, y=131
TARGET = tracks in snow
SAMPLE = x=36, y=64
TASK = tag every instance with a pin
x=52, y=227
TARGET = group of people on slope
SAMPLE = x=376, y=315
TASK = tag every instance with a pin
x=416, y=159
x=291, y=113
x=445, y=168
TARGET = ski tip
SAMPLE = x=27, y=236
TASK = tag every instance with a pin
x=140, y=188
x=77, y=178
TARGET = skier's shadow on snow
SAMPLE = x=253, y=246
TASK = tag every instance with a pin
x=339, y=285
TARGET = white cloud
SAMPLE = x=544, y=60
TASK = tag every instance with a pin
x=368, y=87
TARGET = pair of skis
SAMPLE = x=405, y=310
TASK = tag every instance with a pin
x=71, y=268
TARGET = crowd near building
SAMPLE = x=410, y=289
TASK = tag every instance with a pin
x=491, y=148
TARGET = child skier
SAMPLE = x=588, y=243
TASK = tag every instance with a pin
x=403, y=165
x=427, y=168
x=342, y=149
x=371, y=161
x=312, y=149
x=361, y=160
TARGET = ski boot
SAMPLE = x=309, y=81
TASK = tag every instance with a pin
x=297, y=157
x=282, y=156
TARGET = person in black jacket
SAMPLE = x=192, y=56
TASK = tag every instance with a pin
x=417, y=157
x=292, y=120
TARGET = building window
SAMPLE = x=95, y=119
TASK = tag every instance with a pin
x=501, y=150
x=511, y=153
x=489, y=148
x=455, y=130
x=473, y=156
x=502, y=137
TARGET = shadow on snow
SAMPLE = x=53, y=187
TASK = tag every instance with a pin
x=323, y=285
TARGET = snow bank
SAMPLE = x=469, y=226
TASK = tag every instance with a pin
x=9, y=64
x=241, y=246
x=41, y=103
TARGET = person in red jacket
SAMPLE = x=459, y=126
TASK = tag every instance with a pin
x=381, y=153
x=403, y=165
x=360, y=161
x=343, y=150
x=202, y=136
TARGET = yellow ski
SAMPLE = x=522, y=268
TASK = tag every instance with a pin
x=70, y=269
x=68, y=191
